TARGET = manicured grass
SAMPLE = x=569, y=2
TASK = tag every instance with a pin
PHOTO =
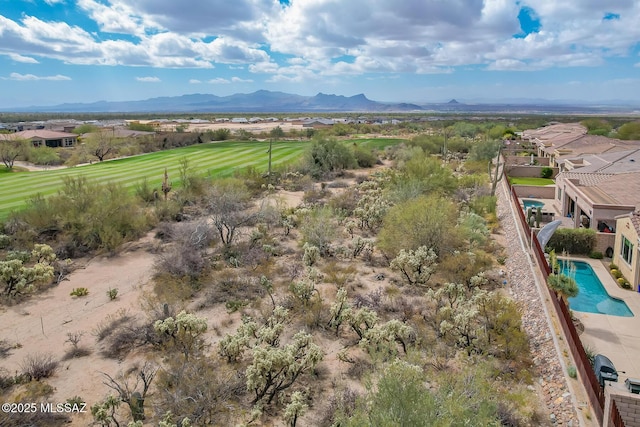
x=213, y=160
x=531, y=181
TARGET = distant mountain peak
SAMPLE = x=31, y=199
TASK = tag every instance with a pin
x=453, y=101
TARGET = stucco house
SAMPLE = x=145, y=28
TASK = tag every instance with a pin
x=43, y=138
x=626, y=254
x=595, y=189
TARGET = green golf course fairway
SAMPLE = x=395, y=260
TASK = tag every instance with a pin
x=215, y=159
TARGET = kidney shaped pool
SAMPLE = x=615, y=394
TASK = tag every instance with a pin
x=593, y=297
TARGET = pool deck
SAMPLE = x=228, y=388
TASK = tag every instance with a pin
x=616, y=337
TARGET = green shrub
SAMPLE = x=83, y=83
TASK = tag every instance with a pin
x=112, y=293
x=573, y=373
x=546, y=172
x=596, y=255
x=612, y=266
x=364, y=157
x=79, y=292
x=85, y=216
x=325, y=156
x=621, y=281
x=626, y=285
x=575, y=241
x=616, y=273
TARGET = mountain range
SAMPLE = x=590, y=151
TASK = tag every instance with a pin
x=263, y=101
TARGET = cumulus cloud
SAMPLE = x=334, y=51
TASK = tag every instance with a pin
x=31, y=77
x=321, y=39
x=148, y=79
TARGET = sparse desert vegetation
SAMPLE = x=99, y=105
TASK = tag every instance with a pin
x=322, y=295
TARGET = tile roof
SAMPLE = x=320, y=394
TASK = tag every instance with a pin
x=635, y=220
x=38, y=133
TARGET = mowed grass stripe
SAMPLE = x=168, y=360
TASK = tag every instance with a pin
x=208, y=160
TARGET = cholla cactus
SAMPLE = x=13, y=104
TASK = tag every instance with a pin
x=183, y=331
x=416, y=266
x=385, y=338
x=275, y=369
x=311, y=254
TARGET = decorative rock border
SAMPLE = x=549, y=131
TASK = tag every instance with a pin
x=523, y=288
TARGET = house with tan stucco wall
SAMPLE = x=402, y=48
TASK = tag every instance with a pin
x=626, y=253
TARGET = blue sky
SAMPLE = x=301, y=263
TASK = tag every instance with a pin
x=55, y=51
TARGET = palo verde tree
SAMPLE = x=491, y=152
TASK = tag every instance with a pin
x=229, y=208
x=102, y=143
x=10, y=150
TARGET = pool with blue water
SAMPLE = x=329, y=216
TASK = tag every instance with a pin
x=528, y=203
x=593, y=297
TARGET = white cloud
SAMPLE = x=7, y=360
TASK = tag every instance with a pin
x=148, y=79
x=194, y=81
x=21, y=58
x=320, y=39
x=31, y=77
x=239, y=80
x=219, y=81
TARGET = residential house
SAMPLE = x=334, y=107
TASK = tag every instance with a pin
x=43, y=137
x=318, y=123
x=626, y=254
x=595, y=189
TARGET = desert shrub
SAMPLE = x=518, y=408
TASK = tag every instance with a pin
x=318, y=229
x=213, y=389
x=231, y=286
x=79, y=292
x=344, y=203
x=576, y=241
x=365, y=158
x=341, y=405
x=327, y=156
x=44, y=156
x=86, y=216
x=112, y=293
x=38, y=366
x=426, y=221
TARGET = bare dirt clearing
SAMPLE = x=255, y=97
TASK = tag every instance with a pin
x=41, y=324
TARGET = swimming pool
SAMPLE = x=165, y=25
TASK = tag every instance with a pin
x=593, y=297
x=528, y=203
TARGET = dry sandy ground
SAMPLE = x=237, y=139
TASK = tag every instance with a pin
x=41, y=324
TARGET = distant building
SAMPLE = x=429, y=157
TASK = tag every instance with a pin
x=43, y=138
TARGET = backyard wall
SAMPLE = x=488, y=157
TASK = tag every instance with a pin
x=528, y=171
x=535, y=191
x=525, y=160
x=628, y=406
x=604, y=241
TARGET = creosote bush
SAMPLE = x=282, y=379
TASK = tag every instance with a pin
x=38, y=366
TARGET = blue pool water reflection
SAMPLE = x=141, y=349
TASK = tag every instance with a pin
x=593, y=297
